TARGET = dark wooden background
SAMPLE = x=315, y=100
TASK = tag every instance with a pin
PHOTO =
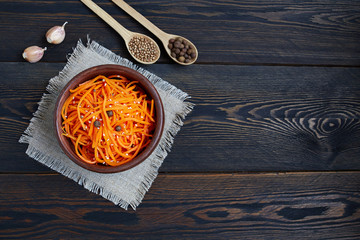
x=271, y=150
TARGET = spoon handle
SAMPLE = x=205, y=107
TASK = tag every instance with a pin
x=124, y=33
x=141, y=19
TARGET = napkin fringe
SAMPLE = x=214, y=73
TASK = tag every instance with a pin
x=44, y=104
x=48, y=101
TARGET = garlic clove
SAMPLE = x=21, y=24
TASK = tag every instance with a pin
x=56, y=34
x=33, y=54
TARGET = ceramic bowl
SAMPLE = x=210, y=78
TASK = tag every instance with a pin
x=107, y=70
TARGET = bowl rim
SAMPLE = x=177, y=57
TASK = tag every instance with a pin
x=105, y=69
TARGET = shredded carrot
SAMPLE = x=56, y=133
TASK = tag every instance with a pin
x=109, y=120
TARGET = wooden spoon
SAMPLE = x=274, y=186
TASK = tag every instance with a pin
x=150, y=50
x=163, y=36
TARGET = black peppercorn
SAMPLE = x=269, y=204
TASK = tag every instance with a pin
x=182, y=50
x=97, y=123
x=118, y=128
x=110, y=113
x=177, y=44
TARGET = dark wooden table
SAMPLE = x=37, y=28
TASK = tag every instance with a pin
x=271, y=150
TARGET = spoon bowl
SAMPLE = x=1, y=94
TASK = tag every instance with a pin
x=189, y=48
x=141, y=47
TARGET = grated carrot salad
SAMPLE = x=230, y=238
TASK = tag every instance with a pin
x=109, y=120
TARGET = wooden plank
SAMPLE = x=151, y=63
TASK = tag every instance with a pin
x=282, y=32
x=246, y=118
x=187, y=206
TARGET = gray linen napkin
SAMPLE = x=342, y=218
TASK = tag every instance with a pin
x=124, y=188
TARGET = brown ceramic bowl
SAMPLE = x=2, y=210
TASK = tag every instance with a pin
x=106, y=70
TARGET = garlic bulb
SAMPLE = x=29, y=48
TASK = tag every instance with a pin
x=33, y=54
x=56, y=34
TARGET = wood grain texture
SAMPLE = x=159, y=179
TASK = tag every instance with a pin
x=276, y=88
x=246, y=118
x=271, y=32
x=187, y=206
